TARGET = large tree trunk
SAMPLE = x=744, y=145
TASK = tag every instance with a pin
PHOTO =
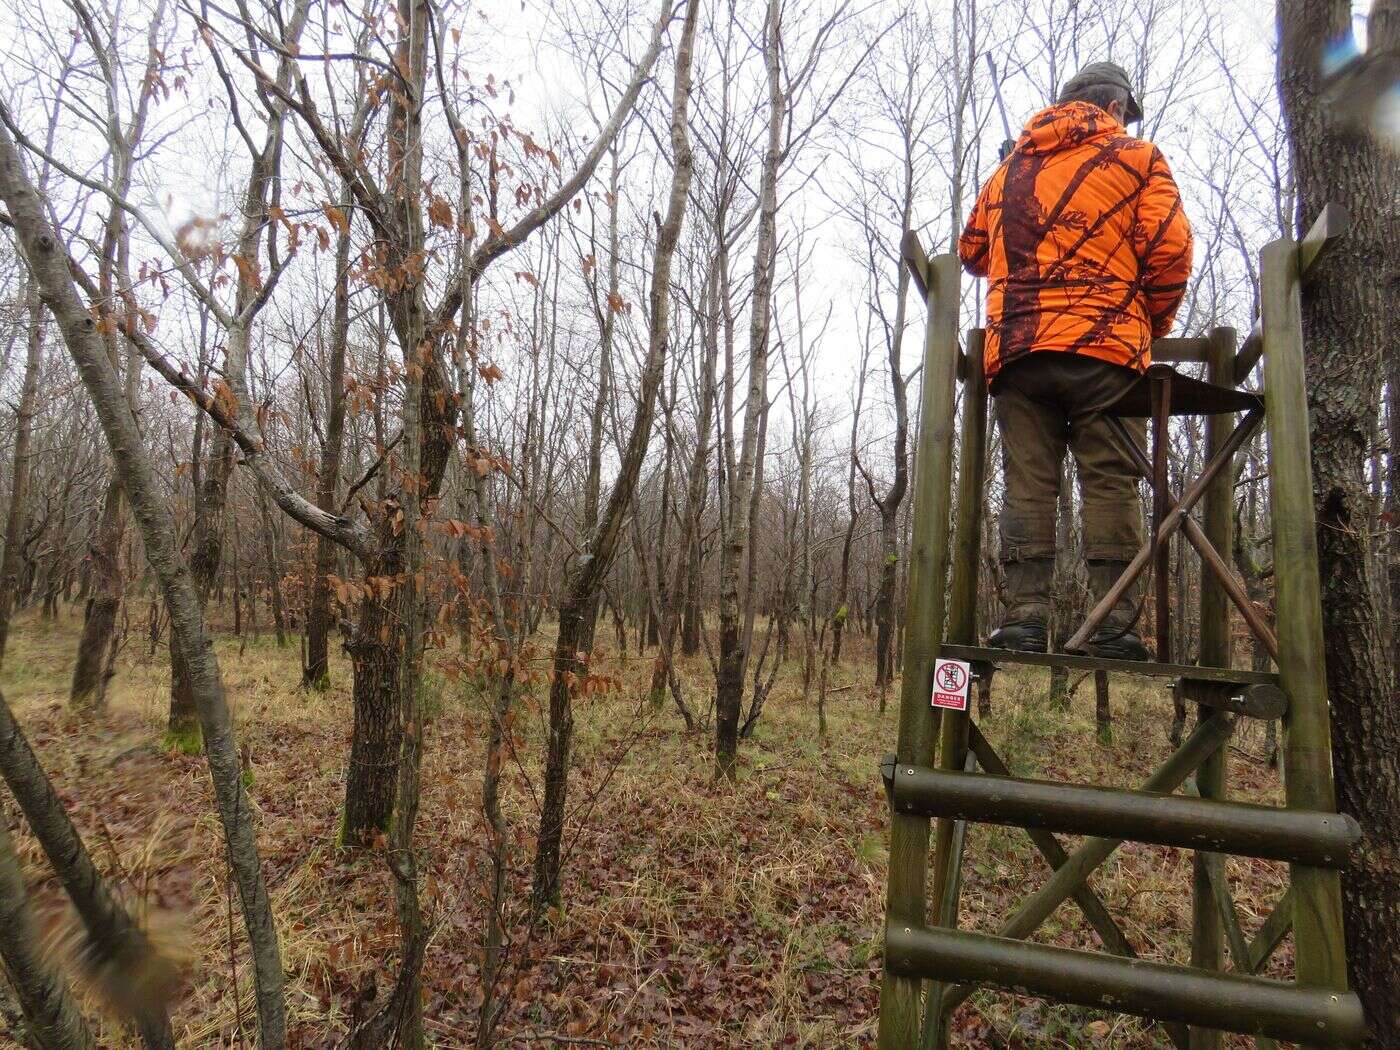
x=19, y=470
x=1392, y=568
x=48, y=263
x=1346, y=309
x=370, y=780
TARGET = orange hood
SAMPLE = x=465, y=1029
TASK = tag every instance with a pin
x=1067, y=125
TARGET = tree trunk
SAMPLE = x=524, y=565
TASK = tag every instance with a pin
x=743, y=493
x=316, y=673
x=578, y=611
x=19, y=471
x=688, y=549
x=1392, y=517
x=1346, y=308
x=53, y=1019
x=48, y=264
x=1103, y=711
x=274, y=572
x=92, y=669
x=139, y=978
x=690, y=621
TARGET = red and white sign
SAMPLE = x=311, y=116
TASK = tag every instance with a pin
x=952, y=680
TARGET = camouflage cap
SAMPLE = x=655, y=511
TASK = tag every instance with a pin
x=1108, y=73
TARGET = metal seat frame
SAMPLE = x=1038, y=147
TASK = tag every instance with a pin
x=946, y=773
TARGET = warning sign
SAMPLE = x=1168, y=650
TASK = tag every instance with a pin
x=951, y=682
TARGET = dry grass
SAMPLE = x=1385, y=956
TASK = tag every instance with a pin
x=696, y=915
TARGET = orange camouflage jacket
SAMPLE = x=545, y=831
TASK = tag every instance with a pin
x=1083, y=240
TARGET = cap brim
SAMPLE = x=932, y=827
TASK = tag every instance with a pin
x=1134, y=112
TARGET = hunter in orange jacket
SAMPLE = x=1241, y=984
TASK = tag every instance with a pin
x=1083, y=241
x=1086, y=249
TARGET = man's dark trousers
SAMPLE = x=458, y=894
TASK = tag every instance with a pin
x=1047, y=403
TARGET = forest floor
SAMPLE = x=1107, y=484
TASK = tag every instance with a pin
x=697, y=914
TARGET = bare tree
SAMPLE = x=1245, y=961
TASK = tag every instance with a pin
x=578, y=609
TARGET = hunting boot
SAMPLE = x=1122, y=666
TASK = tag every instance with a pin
x=1116, y=638
x=1024, y=624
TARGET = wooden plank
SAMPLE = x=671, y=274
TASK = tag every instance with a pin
x=1239, y=948
x=962, y=627
x=1179, y=351
x=1322, y=839
x=935, y=1030
x=912, y=252
x=1272, y=933
x=1319, y=939
x=995, y=657
x=1049, y=847
x=1327, y=229
x=1146, y=988
x=1209, y=924
x=900, y=1007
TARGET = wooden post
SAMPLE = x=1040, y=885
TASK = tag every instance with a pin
x=962, y=630
x=1207, y=932
x=924, y=617
x=1103, y=710
x=1162, y=563
x=1307, y=752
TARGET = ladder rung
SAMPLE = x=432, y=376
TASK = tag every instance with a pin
x=1299, y=836
x=1224, y=1001
x=978, y=655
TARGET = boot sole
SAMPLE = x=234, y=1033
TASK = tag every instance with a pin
x=1017, y=645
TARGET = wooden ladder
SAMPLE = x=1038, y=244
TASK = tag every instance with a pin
x=945, y=773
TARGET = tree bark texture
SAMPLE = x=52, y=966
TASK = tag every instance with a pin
x=19, y=469
x=95, y=659
x=316, y=673
x=1345, y=318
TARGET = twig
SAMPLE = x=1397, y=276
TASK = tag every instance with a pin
x=556, y=1038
